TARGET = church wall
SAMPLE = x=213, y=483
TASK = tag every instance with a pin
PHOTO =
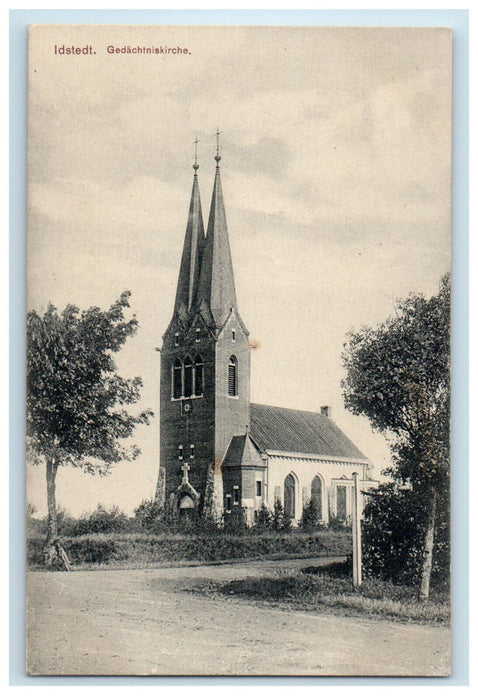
x=246, y=479
x=214, y=418
x=199, y=425
x=232, y=478
x=250, y=478
x=232, y=412
x=304, y=471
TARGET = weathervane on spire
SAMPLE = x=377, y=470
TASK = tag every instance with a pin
x=196, y=166
x=217, y=157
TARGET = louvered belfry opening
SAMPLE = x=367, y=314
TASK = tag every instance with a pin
x=188, y=377
x=177, y=379
x=232, y=376
x=198, y=375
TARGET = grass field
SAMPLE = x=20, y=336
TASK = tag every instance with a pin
x=328, y=590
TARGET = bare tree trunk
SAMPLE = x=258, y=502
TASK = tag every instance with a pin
x=52, y=534
x=428, y=551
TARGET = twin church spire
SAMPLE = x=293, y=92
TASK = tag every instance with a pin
x=206, y=278
x=192, y=253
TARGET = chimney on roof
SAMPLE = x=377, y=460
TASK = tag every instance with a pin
x=326, y=411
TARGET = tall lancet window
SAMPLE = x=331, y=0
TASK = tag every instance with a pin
x=316, y=495
x=198, y=375
x=188, y=376
x=232, y=376
x=177, y=379
x=289, y=496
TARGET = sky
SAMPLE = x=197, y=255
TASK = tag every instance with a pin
x=336, y=167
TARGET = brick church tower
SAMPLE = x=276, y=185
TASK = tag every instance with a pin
x=205, y=365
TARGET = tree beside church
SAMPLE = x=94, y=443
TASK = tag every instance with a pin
x=76, y=409
x=398, y=375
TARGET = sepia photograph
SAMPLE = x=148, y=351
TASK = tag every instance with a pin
x=238, y=351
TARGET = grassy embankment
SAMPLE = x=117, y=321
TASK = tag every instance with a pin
x=330, y=589
x=140, y=550
x=324, y=589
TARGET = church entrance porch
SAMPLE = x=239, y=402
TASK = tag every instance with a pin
x=185, y=500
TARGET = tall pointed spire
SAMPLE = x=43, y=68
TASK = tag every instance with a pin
x=192, y=250
x=216, y=282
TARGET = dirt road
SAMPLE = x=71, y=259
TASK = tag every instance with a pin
x=143, y=622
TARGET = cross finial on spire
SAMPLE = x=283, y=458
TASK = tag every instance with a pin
x=217, y=157
x=196, y=166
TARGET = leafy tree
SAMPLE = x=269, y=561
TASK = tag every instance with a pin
x=76, y=401
x=263, y=518
x=149, y=514
x=100, y=520
x=398, y=375
x=393, y=532
x=310, y=516
x=280, y=521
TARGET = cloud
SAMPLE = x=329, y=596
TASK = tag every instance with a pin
x=336, y=177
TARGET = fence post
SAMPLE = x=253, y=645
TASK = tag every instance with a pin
x=356, y=533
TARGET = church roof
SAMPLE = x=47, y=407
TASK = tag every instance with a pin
x=242, y=453
x=290, y=430
x=192, y=251
x=216, y=282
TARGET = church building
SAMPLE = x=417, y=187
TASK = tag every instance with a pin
x=218, y=451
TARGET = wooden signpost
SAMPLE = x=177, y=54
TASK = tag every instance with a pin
x=356, y=532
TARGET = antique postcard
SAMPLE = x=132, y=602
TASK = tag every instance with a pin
x=238, y=351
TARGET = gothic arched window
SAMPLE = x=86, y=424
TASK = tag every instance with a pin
x=341, y=503
x=188, y=377
x=198, y=375
x=177, y=379
x=289, y=496
x=316, y=495
x=232, y=376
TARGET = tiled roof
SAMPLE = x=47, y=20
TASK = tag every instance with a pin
x=290, y=430
x=241, y=452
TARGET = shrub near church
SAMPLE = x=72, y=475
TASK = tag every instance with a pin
x=120, y=543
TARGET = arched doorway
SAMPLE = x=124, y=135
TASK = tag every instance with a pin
x=289, y=496
x=186, y=509
x=186, y=502
x=316, y=495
